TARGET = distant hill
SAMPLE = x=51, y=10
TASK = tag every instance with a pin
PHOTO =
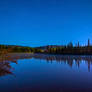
x=49, y=46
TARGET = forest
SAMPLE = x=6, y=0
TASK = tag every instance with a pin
x=49, y=49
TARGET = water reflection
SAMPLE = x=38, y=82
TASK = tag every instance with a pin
x=67, y=59
x=6, y=60
x=5, y=67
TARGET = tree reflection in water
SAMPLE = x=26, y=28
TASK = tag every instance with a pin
x=67, y=59
x=6, y=60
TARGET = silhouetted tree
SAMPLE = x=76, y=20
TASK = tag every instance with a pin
x=70, y=45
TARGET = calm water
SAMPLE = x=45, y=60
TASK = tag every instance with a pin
x=45, y=73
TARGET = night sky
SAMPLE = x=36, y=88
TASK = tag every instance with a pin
x=42, y=22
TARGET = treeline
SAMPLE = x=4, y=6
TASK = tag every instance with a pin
x=70, y=49
x=73, y=50
x=51, y=49
x=18, y=49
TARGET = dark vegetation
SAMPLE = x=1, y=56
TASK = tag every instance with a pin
x=4, y=49
x=50, y=49
x=69, y=49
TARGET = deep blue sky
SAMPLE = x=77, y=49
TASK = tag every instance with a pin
x=42, y=22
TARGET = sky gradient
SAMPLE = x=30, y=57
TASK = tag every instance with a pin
x=42, y=22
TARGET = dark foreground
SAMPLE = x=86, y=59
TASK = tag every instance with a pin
x=45, y=73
